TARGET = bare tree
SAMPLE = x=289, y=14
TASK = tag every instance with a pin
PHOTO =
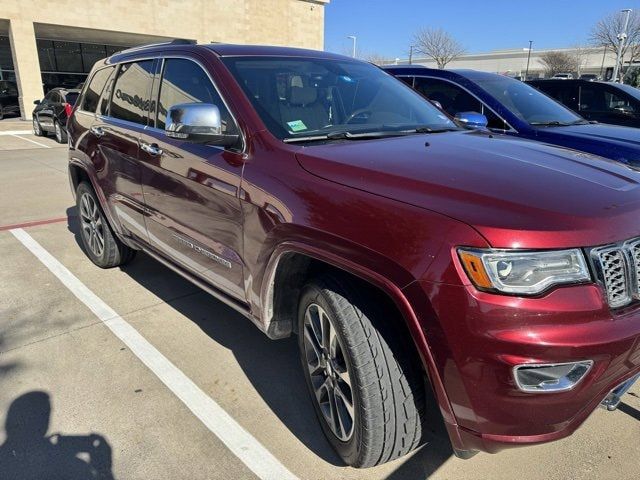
x=605, y=34
x=580, y=56
x=557, y=62
x=438, y=45
x=376, y=58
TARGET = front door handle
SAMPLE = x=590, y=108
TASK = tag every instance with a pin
x=97, y=131
x=151, y=149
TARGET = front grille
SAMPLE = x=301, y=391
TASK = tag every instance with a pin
x=618, y=270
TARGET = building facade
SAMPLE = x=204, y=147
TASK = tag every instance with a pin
x=588, y=60
x=47, y=43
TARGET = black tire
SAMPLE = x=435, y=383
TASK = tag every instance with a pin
x=37, y=129
x=113, y=252
x=1, y=112
x=59, y=132
x=387, y=389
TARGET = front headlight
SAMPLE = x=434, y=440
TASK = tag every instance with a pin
x=519, y=272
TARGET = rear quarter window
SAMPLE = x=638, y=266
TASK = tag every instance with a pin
x=94, y=89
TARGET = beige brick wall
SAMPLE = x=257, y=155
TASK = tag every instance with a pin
x=298, y=23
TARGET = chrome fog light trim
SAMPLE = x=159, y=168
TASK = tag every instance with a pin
x=550, y=377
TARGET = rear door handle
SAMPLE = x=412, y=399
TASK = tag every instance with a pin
x=97, y=131
x=151, y=149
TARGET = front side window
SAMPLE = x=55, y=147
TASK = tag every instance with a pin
x=184, y=81
x=526, y=102
x=455, y=99
x=600, y=98
x=303, y=97
x=94, y=89
x=130, y=97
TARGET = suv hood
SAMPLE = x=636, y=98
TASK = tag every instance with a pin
x=516, y=193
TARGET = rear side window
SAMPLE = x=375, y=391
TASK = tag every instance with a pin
x=130, y=98
x=71, y=98
x=94, y=89
x=184, y=81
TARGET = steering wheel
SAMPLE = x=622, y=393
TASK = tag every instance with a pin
x=355, y=114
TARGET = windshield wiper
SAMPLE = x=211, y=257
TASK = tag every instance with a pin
x=348, y=136
x=556, y=123
x=434, y=130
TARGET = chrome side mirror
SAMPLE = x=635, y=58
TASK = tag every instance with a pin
x=198, y=122
x=472, y=119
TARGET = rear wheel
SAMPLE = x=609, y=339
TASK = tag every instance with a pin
x=367, y=393
x=100, y=244
x=37, y=129
x=61, y=135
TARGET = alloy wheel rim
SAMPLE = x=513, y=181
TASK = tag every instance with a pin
x=36, y=127
x=58, y=133
x=328, y=371
x=92, y=226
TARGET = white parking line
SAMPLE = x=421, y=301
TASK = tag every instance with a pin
x=32, y=141
x=16, y=132
x=241, y=443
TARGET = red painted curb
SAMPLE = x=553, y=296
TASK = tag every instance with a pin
x=33, y=223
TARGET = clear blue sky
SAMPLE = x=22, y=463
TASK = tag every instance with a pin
x=385, y=26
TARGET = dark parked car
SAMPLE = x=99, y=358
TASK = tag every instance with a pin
x=8, y=98
x=51, y=114
x=603, y=102
x=515, y=108
x=317, y=195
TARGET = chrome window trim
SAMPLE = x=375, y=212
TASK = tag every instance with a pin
x=511, y=129
x=85, y=87
x=161, y=58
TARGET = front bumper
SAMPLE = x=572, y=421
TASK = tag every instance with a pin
x=477, y=338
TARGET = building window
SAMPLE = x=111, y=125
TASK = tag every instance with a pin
x=66, y=64
x=68, y=57
x=46, y=56
x=6, y=60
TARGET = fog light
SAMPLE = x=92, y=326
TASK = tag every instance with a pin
x=556, y=377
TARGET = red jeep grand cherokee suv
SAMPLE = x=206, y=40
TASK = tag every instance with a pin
x=318, y=195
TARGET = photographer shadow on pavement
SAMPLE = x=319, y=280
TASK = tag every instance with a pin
x=29, y=453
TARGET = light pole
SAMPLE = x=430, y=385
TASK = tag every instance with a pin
x=353, y=37
x=526, y=73
x=411, y=54
x=622, y=37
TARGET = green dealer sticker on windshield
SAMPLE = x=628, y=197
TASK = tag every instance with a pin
x=297, y=125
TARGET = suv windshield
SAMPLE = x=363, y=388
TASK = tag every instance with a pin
x=528, y=103
x=308, y=98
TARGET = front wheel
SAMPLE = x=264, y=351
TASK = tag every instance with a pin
x=366, y=391
x=100, y=244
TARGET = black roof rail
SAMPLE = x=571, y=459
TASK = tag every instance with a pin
x=176, y=41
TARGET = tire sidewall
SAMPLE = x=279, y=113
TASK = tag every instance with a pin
x=347, y=450
x=59, y=134
x=37, y=129
x=84, y=189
